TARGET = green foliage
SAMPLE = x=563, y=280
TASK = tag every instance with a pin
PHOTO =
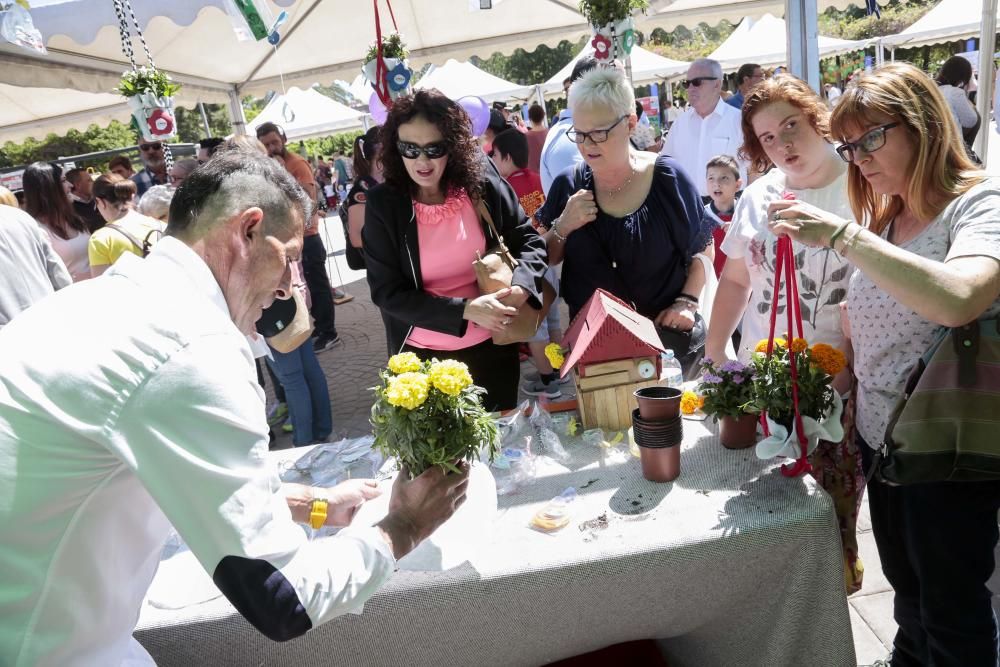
x=601, y=12
x=772, y=385
x=852, y=23
x=687, y=44
x=74, y=142
x=342, y=142
x=146, y=80
x=727, y=389
x=529, y=67
x=437, y=428
x=392, y=47
x=191, y=128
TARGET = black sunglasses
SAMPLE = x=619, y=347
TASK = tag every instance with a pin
x=697, y=81
x=870, y=141
x=433, y=151
x=596, y=136
x=151, y=147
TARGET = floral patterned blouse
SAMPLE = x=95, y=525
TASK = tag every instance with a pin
x=823, y=275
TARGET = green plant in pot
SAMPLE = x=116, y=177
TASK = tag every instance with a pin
x=150, y=97
x=613, y=25
x=728, y=393
x=394, y=56
x=429, y=413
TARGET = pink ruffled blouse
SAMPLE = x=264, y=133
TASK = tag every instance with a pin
x=449, y=236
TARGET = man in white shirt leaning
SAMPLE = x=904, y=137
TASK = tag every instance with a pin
x=708, y=127
x=152, y=417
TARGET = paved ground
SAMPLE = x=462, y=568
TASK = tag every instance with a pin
x=352, y=368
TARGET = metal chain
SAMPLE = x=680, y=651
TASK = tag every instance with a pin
x=123, y=32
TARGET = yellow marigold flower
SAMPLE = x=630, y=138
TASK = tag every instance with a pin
x=554, y=354
x=407, y=390
x=450, y=376
x=778, y=342
x=690, y=402
x=799, y=345
x=829, y=358
x=405, y=362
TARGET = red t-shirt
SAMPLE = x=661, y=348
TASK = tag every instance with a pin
x=718, y=234
x=536, y=141
x=527, y=186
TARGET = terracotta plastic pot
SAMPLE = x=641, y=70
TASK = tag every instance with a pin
x=657, y=433
x=660, y=464
x=658, y=403
x=738, y=432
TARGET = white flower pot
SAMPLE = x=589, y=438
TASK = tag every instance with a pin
x=154, y=115
x=781, y=442
x=368, y=69
x=457, y=539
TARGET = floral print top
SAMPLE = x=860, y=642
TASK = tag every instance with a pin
x=822, y=275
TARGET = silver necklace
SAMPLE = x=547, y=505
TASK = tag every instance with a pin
x=616, y=191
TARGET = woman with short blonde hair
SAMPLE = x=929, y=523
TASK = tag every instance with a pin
x=928, y=257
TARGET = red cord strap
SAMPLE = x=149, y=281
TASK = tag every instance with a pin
x=381, y=82
x=785, y=263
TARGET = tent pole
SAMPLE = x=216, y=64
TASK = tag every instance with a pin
x=541, y=99
x=204, y=119
x=239, y=120
x=984, y=98
x=802, y=42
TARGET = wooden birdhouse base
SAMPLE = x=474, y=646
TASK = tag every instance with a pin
x=607, y=405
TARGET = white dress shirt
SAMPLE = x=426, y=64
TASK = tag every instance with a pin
x=558, y=153
x=32, y=269
x=694, y=140
x=129, y=403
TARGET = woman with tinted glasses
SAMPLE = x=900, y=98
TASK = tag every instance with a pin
x=46, y=199
x=423, y=230
x=627, y=221
x=928, y=256
x=786, y=128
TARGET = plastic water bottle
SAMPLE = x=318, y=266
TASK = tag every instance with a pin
x=671, y=375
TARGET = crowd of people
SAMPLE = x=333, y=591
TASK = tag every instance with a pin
x=895, y=232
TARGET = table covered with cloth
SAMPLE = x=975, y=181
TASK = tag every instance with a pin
x=731, y=564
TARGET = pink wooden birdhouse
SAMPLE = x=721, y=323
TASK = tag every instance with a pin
x=613, y=351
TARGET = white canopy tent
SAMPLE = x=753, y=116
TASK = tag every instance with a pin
x=762, y=41
x=647, y=67
x=307, y=113
x=26, y=112
x=460, y=79
x=949, y=21
x=195, y=40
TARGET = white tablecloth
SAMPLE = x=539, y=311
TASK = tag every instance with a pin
x=731, y=564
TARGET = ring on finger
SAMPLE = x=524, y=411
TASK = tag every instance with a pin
x=776, y=216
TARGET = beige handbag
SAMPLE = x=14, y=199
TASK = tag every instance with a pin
x=292, y=329
x=495, y=272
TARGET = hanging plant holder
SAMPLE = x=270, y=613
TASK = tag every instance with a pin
x=385, y=64
x=618, y=36
x=149, y=92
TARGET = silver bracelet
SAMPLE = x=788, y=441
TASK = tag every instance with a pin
x=555, y=231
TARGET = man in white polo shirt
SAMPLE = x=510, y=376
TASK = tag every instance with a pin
x=709, y=127
x=130, y=402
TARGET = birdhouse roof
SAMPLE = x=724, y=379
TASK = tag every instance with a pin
x=606, y=329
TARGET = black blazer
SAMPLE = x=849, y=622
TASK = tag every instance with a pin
x=392, y=256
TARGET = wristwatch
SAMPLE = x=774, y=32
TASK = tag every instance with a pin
x=317, y=513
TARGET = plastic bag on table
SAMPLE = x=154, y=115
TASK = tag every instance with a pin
x=331, y=463
x=17, y=27
x=547, y=441
x=513, y=469
x=513, y=426
x=556, y=514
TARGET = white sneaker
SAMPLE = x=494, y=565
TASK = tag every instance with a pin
x=539, y=388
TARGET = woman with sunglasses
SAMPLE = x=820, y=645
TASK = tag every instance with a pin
x=423, y=229
x=629, y=221
x=127, y=229
x=367, y=174
x=47, y=200
x=786, y=128
x=927, y=256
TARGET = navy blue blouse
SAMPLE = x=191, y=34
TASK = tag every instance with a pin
x=643, y=257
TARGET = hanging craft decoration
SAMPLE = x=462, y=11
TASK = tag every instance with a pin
x=17, y=27
x=385, y=65
x=613, y=26
x=149, y=91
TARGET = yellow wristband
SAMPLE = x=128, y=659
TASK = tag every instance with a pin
x=317, y=513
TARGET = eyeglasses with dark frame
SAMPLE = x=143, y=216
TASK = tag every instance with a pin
x=412, y=151
x=697, y=81
x=870, y=141
x=596, y=136
x=155, y=146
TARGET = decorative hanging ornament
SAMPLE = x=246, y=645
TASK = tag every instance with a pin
x=399, y=77
x=628, y=41
x=602, y=47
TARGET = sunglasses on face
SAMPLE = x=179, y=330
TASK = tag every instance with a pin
x=697, y=81
x=870, y=141
x=433, y=151
x=596, y=136
x=145, y=148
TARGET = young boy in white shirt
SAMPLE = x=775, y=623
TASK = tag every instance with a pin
x=722, y=174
